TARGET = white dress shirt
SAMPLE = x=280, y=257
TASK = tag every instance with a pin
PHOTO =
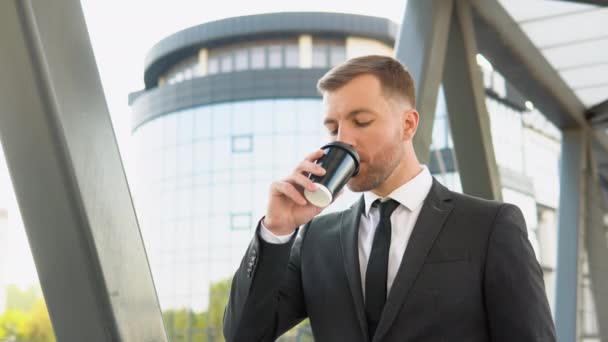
x=410, y=196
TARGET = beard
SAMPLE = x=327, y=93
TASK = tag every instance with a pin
x=378, y=169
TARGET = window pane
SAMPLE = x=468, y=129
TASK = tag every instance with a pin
x=227, y=62
x=242, y=121
x=243, y=143
x=275, y=58
x=263, y=154
x=337, y=54
x=213, y=65
x=187, y=74
x=258, y=58
x=185, y=124
x=196, y=69
x=262, y=112
x=221, y=120
x=240, y=221
x=241, y=59
x=319, y=56
x=292, y=56
x=202, y=123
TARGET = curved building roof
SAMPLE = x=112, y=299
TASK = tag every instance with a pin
x=174, y=48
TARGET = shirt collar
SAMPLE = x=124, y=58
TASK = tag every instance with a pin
x=410, y=195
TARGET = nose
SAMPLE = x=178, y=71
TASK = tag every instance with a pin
x=345, y=135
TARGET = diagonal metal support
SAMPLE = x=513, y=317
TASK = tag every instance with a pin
x=67, y=172
x=421, y=46
x=469, y=119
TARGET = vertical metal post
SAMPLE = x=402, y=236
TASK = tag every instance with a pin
x=596, y=243
x=571, y=212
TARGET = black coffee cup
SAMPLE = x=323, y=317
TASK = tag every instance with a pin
x=341, y=162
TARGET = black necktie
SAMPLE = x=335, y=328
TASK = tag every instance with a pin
x=377, y=266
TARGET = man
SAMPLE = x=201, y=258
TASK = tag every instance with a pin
x=410, y=261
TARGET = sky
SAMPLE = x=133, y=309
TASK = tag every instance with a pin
x=122, y=32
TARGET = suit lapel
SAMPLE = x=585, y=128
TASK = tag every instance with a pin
x=349, y=239
x=434, y=212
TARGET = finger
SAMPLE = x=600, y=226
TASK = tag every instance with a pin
x=315, y=155
x=303, y=181
x=287, y=189
x=310, y=167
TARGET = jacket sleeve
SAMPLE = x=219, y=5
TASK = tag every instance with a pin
x=266, y=296
x=515, y=298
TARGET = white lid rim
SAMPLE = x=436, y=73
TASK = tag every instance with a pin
x=321, y=198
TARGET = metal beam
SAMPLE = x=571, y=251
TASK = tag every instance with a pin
x=67, y=173
x=596, y=242
x=421, y=46
x=502, y=41
x=468, y=115
x=603, y=3
x=600, y=139
x=597, y=116
x=571, y=208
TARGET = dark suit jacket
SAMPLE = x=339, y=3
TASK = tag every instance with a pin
x=468, y=274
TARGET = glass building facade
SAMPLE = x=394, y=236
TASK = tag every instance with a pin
x=203, y=178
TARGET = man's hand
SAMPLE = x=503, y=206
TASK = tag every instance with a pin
x=287, y=207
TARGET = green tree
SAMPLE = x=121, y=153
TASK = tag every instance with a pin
x=27, y=318
x=11, y=324
x=185, y=325
x=38, y=327
x=218, y=298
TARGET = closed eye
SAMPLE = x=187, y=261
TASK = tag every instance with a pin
x=363, y=124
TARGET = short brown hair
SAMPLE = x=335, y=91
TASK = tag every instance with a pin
x=393, y=76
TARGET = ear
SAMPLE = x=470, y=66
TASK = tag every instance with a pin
x=410, y=123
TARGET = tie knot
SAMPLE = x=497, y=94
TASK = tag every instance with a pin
x=386, y=207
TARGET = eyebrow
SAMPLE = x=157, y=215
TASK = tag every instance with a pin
x=350, y=114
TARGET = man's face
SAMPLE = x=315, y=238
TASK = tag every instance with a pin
x=359, y=114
